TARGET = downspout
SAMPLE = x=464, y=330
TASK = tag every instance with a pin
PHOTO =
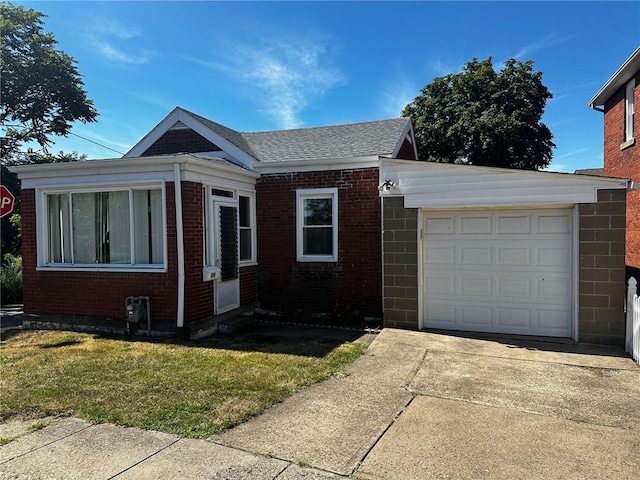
x=180, y=241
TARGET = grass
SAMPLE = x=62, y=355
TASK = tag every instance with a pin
x=192, y=389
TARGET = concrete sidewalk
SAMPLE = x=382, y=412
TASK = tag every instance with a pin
x=415, y=406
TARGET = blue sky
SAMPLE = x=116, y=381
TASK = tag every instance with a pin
x=256, y=66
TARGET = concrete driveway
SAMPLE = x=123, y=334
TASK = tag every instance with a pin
x=415, y=406
x=503, y=409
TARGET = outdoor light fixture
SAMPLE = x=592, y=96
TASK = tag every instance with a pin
x=388, y=185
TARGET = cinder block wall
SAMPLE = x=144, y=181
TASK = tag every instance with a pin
x=602, y=269
x=400, y=253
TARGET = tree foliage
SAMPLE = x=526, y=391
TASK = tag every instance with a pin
x=42, y=91
x=483, y=117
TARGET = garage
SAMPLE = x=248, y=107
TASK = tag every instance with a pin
x=482, y=249
x=501, y=271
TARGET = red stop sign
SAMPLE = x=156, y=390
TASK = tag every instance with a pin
x=6, y=201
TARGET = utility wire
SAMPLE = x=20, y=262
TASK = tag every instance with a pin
x=99, y=144
x=79, y=136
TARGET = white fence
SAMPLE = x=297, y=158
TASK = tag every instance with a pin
x=632, y=344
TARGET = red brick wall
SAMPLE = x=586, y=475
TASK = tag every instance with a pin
x=198, y=294
x=407, y=151
x=248, y=285
x=180, y=141
x=103, y=294
x=624, y=163
x=284, y=283
x=95, y=294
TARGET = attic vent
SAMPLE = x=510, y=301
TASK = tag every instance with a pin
x=179, y=126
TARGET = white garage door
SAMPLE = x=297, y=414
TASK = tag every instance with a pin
x=502, y=271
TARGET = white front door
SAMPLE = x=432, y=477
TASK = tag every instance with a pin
x=225, y=252
x=501, y=271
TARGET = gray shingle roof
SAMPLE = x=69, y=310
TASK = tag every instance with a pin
x=377, y=138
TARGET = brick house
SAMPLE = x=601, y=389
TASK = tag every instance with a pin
x=195, y=197
x=204, y=221
x=617, y=99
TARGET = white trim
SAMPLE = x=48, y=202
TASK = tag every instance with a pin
x=617, y=80
x=295, y=166
x=177, y=189
x=437, y=185
x=629, y=107
x=408, y=134
x=252, y=226
x=301, y=195
x=114, y=170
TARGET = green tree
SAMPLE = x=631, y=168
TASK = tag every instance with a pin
x=483, y=117
x=42, y=91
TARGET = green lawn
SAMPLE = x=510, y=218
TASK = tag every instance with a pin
x=192, y=389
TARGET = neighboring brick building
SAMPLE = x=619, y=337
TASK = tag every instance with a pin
x=618, y=99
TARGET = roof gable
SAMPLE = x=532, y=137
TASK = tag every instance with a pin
x=385, y=138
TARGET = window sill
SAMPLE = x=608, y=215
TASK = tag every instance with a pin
x=629, y=143
x=316, y=259
x=105, y=269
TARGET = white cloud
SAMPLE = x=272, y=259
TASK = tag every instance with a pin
x=113, y=41
x=116, y=55
x=283, y=75
x=398, y=95
x=546, y=42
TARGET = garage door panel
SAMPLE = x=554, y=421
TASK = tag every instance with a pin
x=553, y=257
x=550, y=322
x=513, y=255
x=475, y=255
x=474, y=224
x=440, y=284
x=440, y=255
x=481, y=285
x=550, y=289
x=507, y=271
x=509, y=224
x=473, y=316
x=513, y=320
x=439, y=225
x=513, y=287
x=554, y=223
x=442, y=315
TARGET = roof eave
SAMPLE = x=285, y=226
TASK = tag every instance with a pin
x=617, y=80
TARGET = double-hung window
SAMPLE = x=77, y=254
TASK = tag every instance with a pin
x=317, y=225
x=119, y=227
x=629, y=107
x=246, y=220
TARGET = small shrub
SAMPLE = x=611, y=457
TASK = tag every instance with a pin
x=11, y=279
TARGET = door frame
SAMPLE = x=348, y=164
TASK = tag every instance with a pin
x=228, y=289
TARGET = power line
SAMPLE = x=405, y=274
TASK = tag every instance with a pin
x=79, y=136
x=99, y=144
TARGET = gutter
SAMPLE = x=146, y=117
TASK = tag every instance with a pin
x=180, y=242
